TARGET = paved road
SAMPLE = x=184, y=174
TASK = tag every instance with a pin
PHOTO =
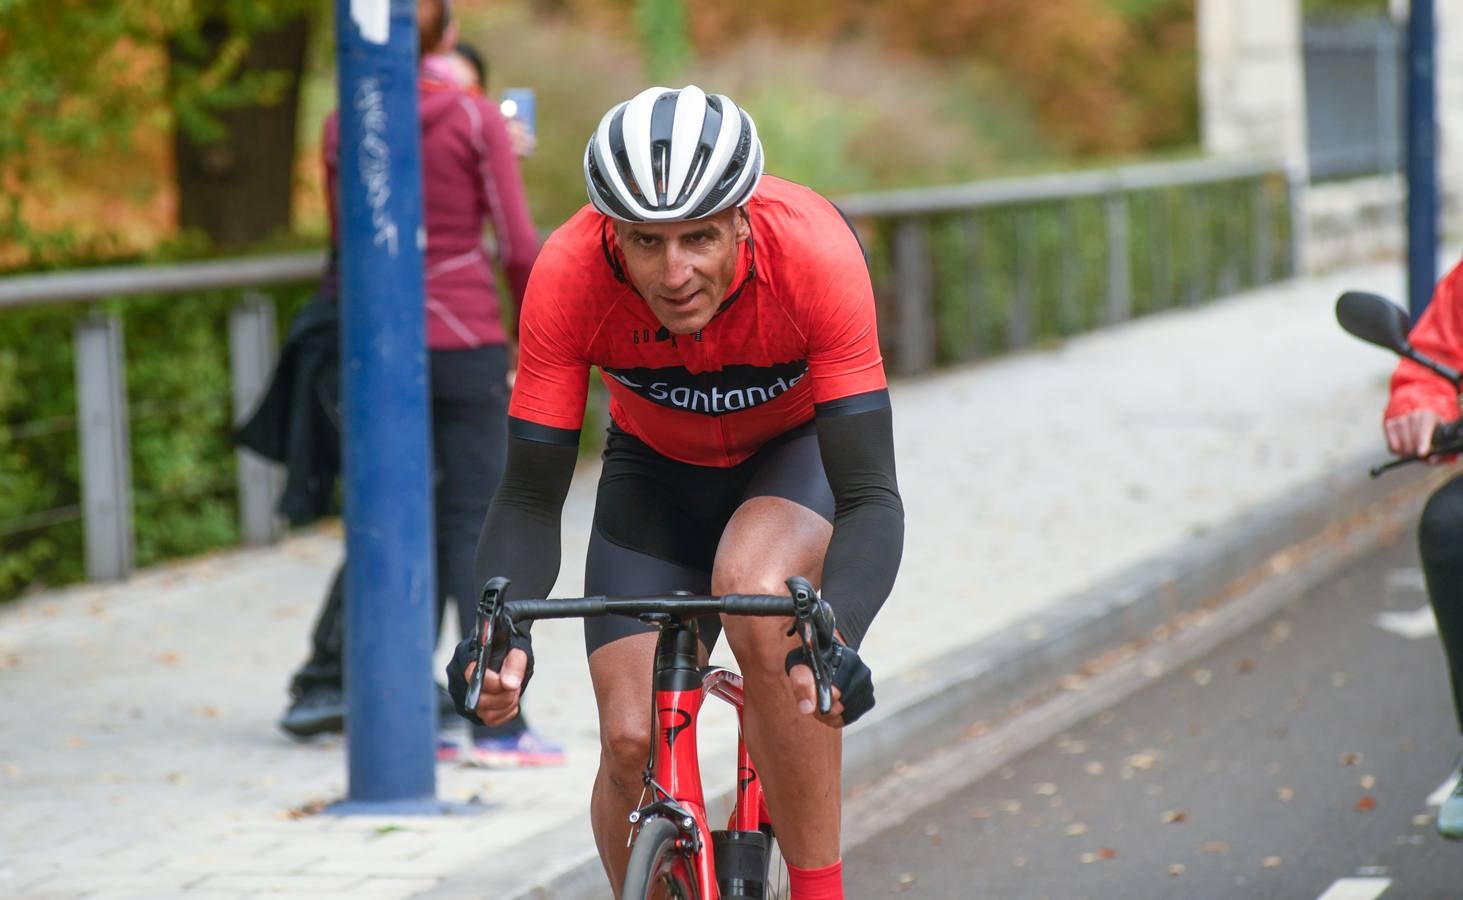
x=1298, y=761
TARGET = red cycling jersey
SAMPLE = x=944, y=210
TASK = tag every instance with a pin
x=1438, y=335
x=799, y=329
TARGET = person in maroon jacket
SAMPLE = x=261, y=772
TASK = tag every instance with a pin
x=470, y=178
x=1420, y=402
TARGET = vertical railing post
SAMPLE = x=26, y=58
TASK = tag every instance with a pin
x=106, y=452
x=1260, y=267
x=1069, y=316
x=251, y=359
x=1119, y=282
x=1230, y=247
x=913, y=280
x=1019, y=329
x=974, y=284
x=1296, y=226
x=1200, y=234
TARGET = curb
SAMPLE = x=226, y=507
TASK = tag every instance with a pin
x=1285, y=545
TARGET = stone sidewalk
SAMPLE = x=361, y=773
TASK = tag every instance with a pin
x=138, y=751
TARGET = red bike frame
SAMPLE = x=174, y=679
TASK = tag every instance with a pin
x=675, y=770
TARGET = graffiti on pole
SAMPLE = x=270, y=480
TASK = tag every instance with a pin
x=375, y=163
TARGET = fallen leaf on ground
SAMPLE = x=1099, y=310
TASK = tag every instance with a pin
x=906, y=878
x=1422, y=819
x=1286, y=795
x=1271, y=862
x=169, y=658
x=1351, y=759
x=1011, y=806
x=76, y=741
x=1145, y=760
x=1175, y=816
x=1176, y=869
x=12, y=771
x=1202, y=677
x=1093, y=767
x=1075, y=829
x=1244, y=666
x=1368, y=782
x=1106, y=853
x=1367, y=803
x=1045, y=789
x=308, y=808
x=208, y=712
x=1216, y=847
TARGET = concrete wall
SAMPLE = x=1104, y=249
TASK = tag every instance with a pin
x=1251, y=83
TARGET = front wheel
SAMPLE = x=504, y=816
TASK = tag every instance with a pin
x=658, y=869
x=776, y=885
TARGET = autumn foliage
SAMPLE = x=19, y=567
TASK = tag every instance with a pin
x=1105, y=76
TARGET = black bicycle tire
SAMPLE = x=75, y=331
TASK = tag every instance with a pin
x=655, y=841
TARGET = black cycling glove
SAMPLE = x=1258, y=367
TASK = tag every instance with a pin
x=467, y=652
x=851, y=676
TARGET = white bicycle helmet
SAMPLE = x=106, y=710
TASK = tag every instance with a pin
x=669, y=155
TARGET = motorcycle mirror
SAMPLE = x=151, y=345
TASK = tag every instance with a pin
x=1375, y=320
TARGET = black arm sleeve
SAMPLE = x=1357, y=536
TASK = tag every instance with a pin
x=856, y=440
x=520, y=537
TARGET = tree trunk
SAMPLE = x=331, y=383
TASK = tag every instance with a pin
x=239, y=189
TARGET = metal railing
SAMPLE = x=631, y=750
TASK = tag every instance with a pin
x=966, y=220
x=102, y=419
x=917, y=237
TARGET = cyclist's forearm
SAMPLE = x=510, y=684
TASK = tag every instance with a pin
x=520, y=536
x=868, y=528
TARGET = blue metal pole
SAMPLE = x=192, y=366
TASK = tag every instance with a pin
x=390, y=577
x=1422, y=161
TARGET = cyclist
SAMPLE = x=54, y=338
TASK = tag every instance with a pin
x=1420, y=401
x=732, y=319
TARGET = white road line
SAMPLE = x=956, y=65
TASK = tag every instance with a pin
x=1419, y=623
x=1437, y=797
x=1356, y=889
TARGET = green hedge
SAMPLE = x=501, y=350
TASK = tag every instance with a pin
x=180, y=407
x=1185, y=246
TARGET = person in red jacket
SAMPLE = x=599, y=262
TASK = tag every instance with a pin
x=470, y=178
x=1421, y=401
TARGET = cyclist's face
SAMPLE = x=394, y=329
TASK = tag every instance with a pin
x=683, y=269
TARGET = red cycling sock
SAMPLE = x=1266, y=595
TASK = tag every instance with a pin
x=816, y=884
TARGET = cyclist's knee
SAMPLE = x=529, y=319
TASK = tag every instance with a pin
x=625, y=747
x=1440, y=532
x=760, y=645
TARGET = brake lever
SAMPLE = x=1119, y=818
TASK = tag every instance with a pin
x=814, y=627
x=1447, y=441
x=490, y=607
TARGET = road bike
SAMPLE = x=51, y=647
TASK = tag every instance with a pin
x=675, y=852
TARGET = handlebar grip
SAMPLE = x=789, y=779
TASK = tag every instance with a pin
x=756, y=605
